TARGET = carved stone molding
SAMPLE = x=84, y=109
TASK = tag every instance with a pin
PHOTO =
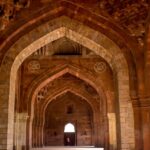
x=141, y=103
x=100, y=67
x=33, y=66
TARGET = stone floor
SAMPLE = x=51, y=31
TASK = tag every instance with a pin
x=68, y=148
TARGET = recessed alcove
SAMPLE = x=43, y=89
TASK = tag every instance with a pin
x=69, y=127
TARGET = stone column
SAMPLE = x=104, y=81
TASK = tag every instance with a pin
x=112, y=131
x=147, y=65
x=41, y=132
x=146, y=128
x=97, y=138
x=20, y=131
x=142, y=126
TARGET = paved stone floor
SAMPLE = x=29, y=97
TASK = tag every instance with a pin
x=69, y=148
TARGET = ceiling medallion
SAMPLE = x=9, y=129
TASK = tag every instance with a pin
x=100, y=67
x=33, y=66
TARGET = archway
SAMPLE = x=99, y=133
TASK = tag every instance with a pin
x=81, y=92
x=122, y=74
x=69, y=135
x=57, y=116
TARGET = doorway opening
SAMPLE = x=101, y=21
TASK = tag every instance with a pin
x=69, y=135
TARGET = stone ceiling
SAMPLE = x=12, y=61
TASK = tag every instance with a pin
x=130, y=15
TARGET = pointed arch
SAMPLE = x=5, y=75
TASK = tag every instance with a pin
x=64, y=27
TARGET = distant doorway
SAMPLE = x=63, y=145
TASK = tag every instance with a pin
x=69, y=135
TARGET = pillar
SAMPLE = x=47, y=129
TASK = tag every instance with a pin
x=20, y=131
x=112, y=131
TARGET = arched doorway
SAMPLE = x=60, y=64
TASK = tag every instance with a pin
x=69, y=135
x=63, y=128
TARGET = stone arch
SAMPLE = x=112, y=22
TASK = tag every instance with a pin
x=55, y=73
x=94, y=107
x=132, y=52
x=147, y=60
x=74, y=91
x=84, y=98
x=19, y=52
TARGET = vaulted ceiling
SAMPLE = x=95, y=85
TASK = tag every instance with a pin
x=130, y=15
